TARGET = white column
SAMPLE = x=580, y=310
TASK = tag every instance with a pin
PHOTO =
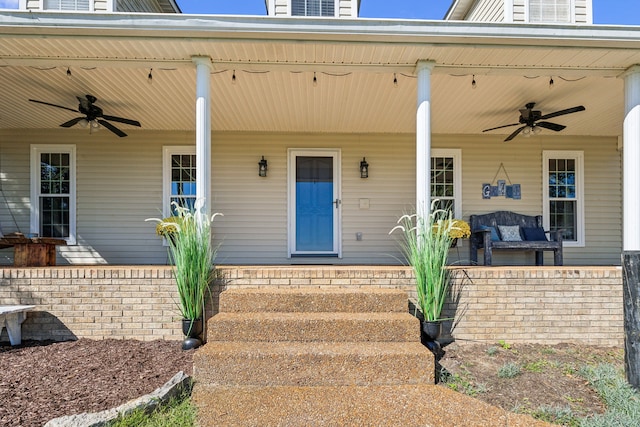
x=631, y=160
x=423, y=138
x=203, y=132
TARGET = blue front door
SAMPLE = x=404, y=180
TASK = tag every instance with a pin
x=314, y=204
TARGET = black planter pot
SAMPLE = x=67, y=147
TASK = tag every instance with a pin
x=431, y=330
x=191, y=328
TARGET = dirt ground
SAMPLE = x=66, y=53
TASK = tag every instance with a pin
x=548, y=374
x=40, y=381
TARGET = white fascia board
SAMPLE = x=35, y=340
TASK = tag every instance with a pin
x=458, y=10
x=361, y=30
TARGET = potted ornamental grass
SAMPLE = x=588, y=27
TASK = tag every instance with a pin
x=425, y=243
x=192, y=254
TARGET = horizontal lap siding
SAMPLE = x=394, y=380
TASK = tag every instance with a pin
x=582, y=13
x=519, y=13
x=254, y=226
x=120, y=184
x=281, y=8
x=346, y=8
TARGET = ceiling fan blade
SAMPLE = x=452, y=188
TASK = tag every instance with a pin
x=500, y=127
x=53, y=105
x=72, y=122
x=563, y=112
x=122, y=120
x=552, y=126
x=112, y=128
x=514, y=134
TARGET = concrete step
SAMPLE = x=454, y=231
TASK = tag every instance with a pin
x=313, y=300
x=354, y=327
x=313, y=363
x=389, y=406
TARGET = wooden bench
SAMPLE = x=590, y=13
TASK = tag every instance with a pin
x=11, y=317
x=481, y=236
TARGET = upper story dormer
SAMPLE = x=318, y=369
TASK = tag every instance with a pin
x=329, y=8
x=523, y=11
x=149, y=6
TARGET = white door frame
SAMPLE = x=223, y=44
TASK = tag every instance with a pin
x=335, y=153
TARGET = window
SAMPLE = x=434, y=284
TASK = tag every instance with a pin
x=179, y=178
x=550, y=10
x=313, y=7
x=446, y=180
x=563, y=207
x=53, y=191
x=65, y=4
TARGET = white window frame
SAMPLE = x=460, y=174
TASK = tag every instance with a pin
x=572, y=14
x=456, y=154
x=36, y=151
x=336, y=10
x=578, y=157
x=167, y=152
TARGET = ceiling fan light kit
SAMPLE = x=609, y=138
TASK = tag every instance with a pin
x=93, y=116
x=533, y=120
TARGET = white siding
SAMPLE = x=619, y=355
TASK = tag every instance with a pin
x=281, y=7
x=119, y=184
x=583, y=12
x=487, y=11
x=137, y=6
x=519, y=10
x=348, y=8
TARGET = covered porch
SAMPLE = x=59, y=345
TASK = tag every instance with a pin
x=233, y=90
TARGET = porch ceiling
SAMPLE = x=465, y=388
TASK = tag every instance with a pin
x=274, y=70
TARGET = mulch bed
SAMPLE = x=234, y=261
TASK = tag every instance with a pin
x=40, y=381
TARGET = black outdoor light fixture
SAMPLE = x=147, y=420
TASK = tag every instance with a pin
x=364, y=168
x=262, y=167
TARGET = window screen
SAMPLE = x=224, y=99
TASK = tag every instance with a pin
x=563, y=197
x=313, y=7
x=66, y=4
x=54, y=195
x=443, y=183
x=549, y=10
x=183, y=181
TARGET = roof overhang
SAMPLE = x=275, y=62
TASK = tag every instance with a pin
x=272, y=55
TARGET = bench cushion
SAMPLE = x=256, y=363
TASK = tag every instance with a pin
x=534, y=233
x=510, y=233
x=494, y=233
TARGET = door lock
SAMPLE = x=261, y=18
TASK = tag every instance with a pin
x=337, y=202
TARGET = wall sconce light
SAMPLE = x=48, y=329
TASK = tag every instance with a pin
x=262, y=167
x=364, y=168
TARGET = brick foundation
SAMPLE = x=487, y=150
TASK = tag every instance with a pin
x=515, y=304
